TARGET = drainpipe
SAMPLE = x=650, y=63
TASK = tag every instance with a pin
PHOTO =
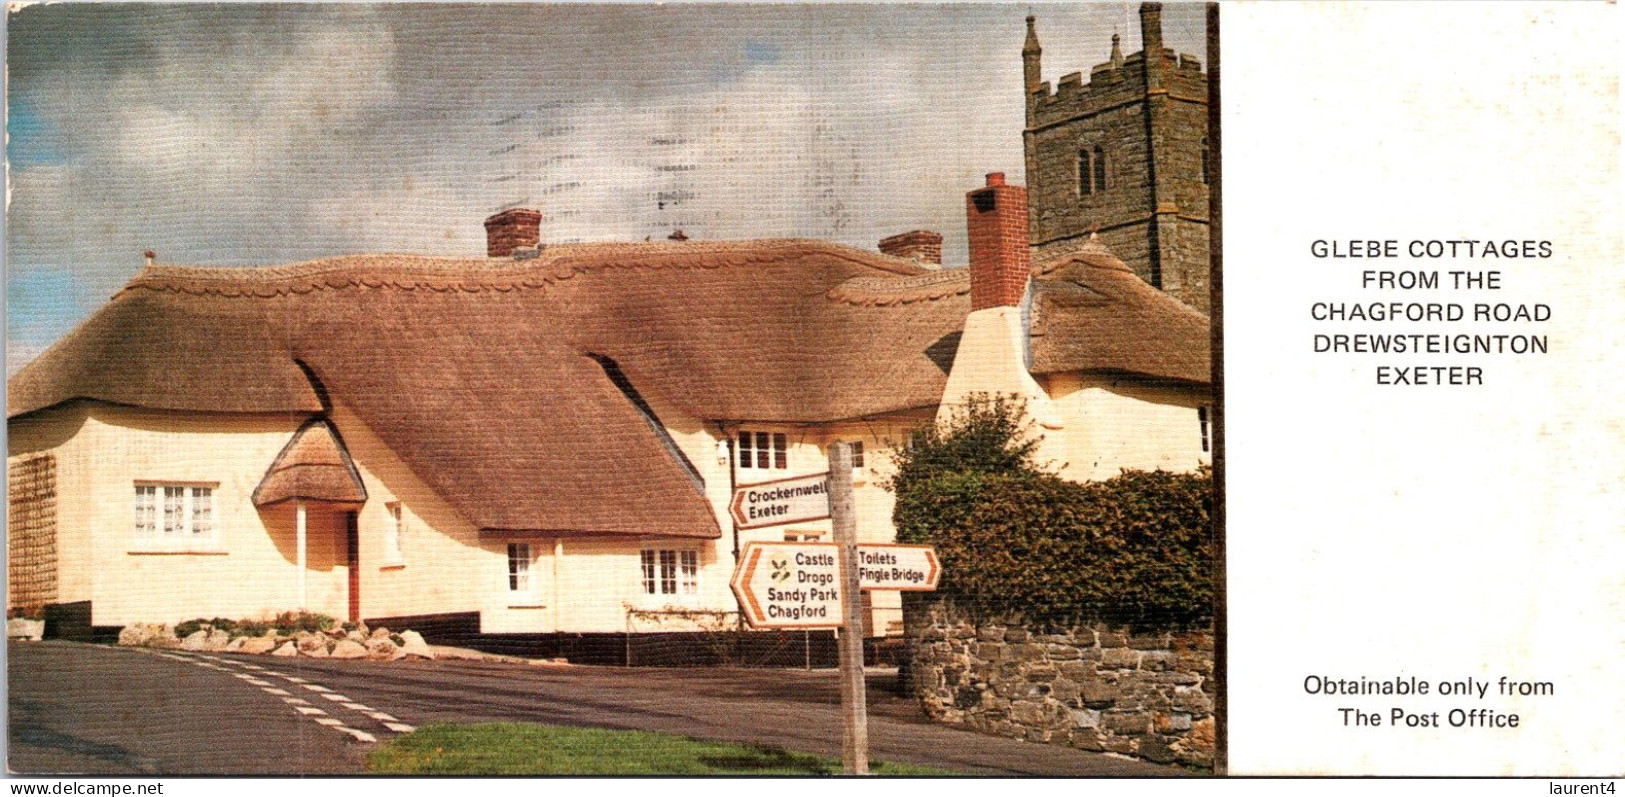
x=299, y=542
x=558, y=553
x=733, y=484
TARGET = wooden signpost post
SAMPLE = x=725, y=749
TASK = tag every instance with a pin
x=806, y=585
x=843, y=516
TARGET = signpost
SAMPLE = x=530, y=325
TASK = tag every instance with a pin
x=849, y=648
x=792, y=500
x=804, y=585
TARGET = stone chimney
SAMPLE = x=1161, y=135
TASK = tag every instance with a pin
x=512, y=230
x=921, y=246
x=1000, y=261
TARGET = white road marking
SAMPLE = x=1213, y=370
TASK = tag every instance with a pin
x=303, y=707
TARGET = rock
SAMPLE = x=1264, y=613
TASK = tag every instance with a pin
x=379, y=633
x=355, y=636
x=1086, y=718
x=412, y=644
x=236, y=645
x=1126, y=723
x=132, y=635
x=216, y=640
x=24, y=628
x=381, y=649
x=258, y=645
x=1099, y=694
x=164, y=639
x=1155, y=750
x=312, y=645
x=1125, y=658
x=196, y=640
x=458, y=654
x=349, y=649
x=287, y=649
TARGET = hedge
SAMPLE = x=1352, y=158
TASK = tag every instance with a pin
x=1135, y=550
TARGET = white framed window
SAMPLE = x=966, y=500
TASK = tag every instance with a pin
x=764, y=451
x=674, y=573
x=394, y=536
x=171, y=516
x=519, y=565
x=803, y=536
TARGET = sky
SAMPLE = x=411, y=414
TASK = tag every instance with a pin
x=245, y=134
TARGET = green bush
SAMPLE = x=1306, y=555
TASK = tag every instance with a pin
x=1135, y=550
x=288, y=623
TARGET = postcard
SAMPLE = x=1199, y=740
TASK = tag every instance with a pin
x=1088, y=390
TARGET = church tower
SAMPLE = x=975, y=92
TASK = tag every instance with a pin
x=1124, y=155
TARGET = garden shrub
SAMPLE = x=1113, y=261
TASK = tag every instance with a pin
x=1135, y=550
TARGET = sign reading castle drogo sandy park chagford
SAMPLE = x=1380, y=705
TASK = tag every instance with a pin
x=790, y=584
x=798, y=584
x=792, y=500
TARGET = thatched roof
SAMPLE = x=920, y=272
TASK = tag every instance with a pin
x=488, y=376
x=313, y=466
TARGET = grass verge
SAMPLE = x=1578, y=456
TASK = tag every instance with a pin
x=530, y=749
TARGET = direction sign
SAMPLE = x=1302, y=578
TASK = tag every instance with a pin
x=789, y=584
x=773, y=503
x=905, y=568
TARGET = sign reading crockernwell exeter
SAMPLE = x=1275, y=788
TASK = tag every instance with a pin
x=792, y=500
x=789, y=584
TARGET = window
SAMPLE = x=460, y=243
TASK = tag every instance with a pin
x=761, y=450
x=857, y=454
x=668, y=572
x=519, y=567
x=394, y=536
x=803, y=536
x=1201, y=421
x=1091, y=171
x=174, y=513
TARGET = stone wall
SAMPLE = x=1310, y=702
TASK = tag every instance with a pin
x=1147, y=695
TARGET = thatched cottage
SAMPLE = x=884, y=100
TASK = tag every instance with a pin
x=544, y=441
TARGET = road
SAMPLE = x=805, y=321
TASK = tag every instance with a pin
x=95, y=709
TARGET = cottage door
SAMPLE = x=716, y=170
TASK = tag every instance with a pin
x=352, y=541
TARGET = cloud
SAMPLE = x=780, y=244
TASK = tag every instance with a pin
x=244, y=134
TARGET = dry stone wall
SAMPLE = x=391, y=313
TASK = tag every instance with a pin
x=1147, y=695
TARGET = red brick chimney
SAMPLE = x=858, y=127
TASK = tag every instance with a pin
x=924, y=246
x=1000, y=262
x=510, y=230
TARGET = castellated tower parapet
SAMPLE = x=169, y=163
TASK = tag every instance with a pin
x=1124, y=155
